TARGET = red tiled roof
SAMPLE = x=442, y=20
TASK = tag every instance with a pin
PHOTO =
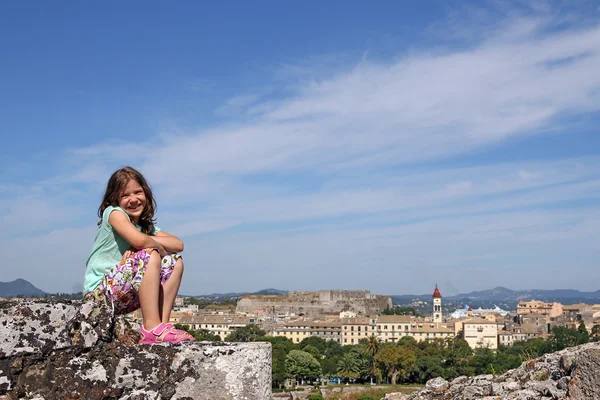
x=436, y=293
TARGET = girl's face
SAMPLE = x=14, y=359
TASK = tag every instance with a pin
x=132, y=200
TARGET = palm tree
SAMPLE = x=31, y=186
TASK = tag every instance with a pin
x=373, y=346
x=348, y=366
x=365, y=367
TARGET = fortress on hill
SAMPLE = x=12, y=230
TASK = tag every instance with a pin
x=311, y=304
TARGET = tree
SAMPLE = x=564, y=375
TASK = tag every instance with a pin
x=206, y=335
x=371, y=349
x=584, y=336
x=313, y=351
x=387, y=359
x=333, y=349
x=300, y=364
x=595, y=333
x=281, y=346
x=329, y=365
x=483, y=361
x=395, y=361
x=315, y=341
x=408, y=341
x=199, y=303
x=248, y=333
x=364, y=368
x=348, y=366
x=278, y=371
x=406, y=362
x=280, y=341
x=397, y=310
x=457, y=355
x=427, y=367
x=563, y=337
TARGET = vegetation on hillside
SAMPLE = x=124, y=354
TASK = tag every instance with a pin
x=397, y=310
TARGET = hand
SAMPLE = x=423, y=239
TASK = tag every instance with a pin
x=161, y=250
x=128, y=254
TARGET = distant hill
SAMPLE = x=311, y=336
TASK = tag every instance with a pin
x=19, y=287
x=502, y=294
x=271, y=291
x=240, y=294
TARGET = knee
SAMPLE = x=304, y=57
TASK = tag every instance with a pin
x=154, y=258
x=179, y=265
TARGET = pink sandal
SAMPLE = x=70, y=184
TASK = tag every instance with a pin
x=181, y=332
x=163, y=333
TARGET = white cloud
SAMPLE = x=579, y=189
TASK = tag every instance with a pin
x=526, y=175
x=421, y=107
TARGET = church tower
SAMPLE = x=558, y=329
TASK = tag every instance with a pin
x=437, y=305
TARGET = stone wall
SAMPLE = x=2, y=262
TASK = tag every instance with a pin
x=73, y=351
x=573, y=373
x=312, y=304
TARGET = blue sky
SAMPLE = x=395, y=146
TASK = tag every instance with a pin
x=310, y=146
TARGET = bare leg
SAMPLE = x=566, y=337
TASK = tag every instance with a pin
x=169, y=291
x=149, y=292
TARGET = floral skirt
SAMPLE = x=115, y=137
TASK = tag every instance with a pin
x=119, y=287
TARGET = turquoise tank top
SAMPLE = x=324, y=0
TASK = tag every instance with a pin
x=107, y=251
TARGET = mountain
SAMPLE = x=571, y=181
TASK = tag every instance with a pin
x=271, y=291
x=240, y=294
x=565, y=296
x=19, y=287
x=504, y=294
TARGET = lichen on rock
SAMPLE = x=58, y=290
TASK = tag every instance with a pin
x=81, y=351
x=568, y=374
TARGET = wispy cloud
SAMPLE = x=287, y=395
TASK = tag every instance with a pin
x=422, y=107
x=237, y=104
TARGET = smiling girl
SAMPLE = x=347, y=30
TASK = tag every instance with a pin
x=134, y=264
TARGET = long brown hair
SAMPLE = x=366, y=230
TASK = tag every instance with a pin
x=118, y=180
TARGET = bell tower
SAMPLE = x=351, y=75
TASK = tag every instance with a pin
x=437, y=305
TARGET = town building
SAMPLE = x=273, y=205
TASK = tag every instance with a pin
x=386, y=328
x=505, y=338
x=221, y=325
x=354, y=329
x=297, y=331
x=218, y=309
x=391, y=328
x=552, y=310
x=478, y=332
x=539, y=321
x=437, y=306
x=189, y=308
x=424, y=330
x=574, y=312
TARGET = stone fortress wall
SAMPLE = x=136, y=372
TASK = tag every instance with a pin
x=312, y=304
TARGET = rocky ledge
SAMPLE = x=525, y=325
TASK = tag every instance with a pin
x=80, y=351
x=573, y=373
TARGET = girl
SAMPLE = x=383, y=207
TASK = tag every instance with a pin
x=133, y=263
